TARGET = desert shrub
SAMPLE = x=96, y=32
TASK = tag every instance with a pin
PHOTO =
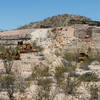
x=44, y=82
x=8, y=53
x=8, y=65
x=71, y=70
x=42, y=77
x=59, y=75
x=55, y=35
x=9, y=81
x=11, y=85
x=94, y=92
x=92, y=57
x=39, y=72
x=57, y=53
x=59, y=72
x=65, y=79
x=44, y=87
x=7, y=84
x=69, y=56
x=89, y=77
x=65, y=82
x=70, y=85
x=2, y=48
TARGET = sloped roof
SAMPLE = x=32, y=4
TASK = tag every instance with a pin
x=15, y=34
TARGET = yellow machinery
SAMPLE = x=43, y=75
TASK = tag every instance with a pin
x=9, y=53
x=82, y=57
x=25, y=48
x=14, y=53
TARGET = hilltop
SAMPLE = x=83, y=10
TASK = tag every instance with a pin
x=61, y=20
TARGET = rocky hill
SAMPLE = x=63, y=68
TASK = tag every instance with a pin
x=54, y=71
x=61, y=20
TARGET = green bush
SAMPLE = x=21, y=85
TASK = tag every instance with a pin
x=57, y=53
x=44, y=85
x=41, y=75
x=70, y=85
x=39, y=72
x=6, y=81
x=64, y=80
x=2, y=48
x=9, y=53
x=89, y=77
x=92, y=57
x=94, y=92
x=69, y=56
x=44, y=82
x=59, y=74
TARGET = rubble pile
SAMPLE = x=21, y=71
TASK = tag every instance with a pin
x=61, y=37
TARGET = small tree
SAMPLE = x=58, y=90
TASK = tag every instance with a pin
x=59, y=75
x=89, y=77
x=70, y=85
x=44, y=88
x=8, y=65
x=11, y=85
x=42, y=77
x=9, y=82
x=94, y=92
x=65, y=82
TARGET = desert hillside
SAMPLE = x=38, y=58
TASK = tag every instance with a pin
x=42, y=61
x=61, y=20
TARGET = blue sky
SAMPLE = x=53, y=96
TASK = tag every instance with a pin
x=15, y=13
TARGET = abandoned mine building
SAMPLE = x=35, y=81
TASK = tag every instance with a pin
x=14, y=36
